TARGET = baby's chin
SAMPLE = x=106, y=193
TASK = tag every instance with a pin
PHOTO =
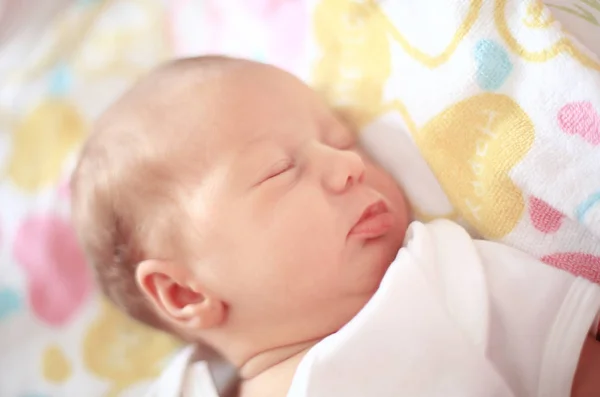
x=380, y=253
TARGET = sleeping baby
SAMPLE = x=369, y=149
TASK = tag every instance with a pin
x=221, y=201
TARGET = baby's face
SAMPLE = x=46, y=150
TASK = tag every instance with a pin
x=280, y=208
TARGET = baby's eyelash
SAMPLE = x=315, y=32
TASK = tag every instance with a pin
x=280, y=167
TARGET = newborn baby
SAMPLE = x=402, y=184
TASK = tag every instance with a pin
x=221, y=201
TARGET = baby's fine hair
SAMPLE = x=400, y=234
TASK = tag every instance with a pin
x=133, y=175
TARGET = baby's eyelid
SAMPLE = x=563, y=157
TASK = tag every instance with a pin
x=280, y=167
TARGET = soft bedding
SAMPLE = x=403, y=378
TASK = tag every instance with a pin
x=57, y=337
x=63, y=65
x=488, y=112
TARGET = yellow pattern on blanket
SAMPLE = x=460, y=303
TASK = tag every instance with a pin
x=474, y=166
x=58, y=337
x=513, y=144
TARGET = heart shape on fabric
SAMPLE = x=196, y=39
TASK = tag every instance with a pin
x=544, y=218
x=58, y=279
x=474, y=167
x=577, y=263
x=580, y=118
x=10, y=302
x=493, y=65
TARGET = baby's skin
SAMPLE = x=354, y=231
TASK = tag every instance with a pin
x=289, y=226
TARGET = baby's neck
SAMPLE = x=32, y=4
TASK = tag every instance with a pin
x=270, y=373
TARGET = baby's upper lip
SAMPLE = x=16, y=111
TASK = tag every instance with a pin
x=376, y=207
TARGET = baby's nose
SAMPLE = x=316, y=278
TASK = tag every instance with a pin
x=346, y=169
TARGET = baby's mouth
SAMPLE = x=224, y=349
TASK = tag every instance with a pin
x=376, y=221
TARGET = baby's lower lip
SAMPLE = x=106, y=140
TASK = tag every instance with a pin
x=373, y=227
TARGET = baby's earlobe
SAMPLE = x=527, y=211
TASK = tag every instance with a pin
x=212, y=312
x=204, y=314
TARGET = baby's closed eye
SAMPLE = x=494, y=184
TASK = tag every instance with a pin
x=279, y=168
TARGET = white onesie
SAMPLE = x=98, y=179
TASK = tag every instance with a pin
x=453, y=316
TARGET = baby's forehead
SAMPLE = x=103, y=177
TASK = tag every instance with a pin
x=247, y=91
x=197, y=114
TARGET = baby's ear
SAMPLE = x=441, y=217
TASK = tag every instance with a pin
x=177, y=297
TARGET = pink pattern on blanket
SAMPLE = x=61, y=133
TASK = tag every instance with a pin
x=577, y=263
x=63, y=190
x=58, y=278
x=215, y=25
x=287, y=22
x=580, y=118
x=545, y=218
x=273, y=31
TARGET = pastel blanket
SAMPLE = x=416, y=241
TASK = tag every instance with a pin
x=488, y=112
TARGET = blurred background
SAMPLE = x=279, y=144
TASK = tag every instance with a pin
x=61, y=63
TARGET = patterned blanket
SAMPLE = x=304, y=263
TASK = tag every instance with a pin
x=486, y=111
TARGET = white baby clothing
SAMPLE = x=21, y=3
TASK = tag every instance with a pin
x=185, y=378
x=453, y=316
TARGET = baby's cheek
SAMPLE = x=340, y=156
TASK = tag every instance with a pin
x=385, y=184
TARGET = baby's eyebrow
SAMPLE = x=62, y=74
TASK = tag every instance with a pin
x=253, y=143
x=251, y=151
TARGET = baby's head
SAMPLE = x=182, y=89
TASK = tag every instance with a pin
x=217, y=200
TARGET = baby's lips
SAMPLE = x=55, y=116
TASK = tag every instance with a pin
x=374, y=226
